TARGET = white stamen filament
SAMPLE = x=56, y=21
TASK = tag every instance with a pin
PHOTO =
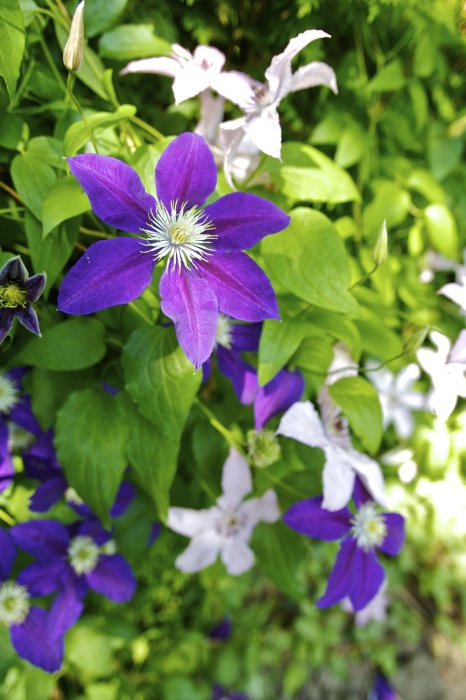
x=181, y=235
x=8, y=394
x=369, y=528
x=224, y=335
x=83, y=554
x=14, y=603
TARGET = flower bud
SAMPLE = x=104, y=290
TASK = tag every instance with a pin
x=263, y=448
x=415, y=340
x=380, y=252
x=74, y=48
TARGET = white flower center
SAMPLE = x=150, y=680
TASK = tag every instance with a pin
x=18, y=438
x=181, y=235
x=109, y=548
x=83, y=554
x=231, y=523
x=224, y=335
x=8, y=393
x=14, y=603
x=369, y=528
x=72, y=497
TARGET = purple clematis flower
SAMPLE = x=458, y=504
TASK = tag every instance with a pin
x=29, y=626
x=72, y=560
x=206, y=270
x=277, y=395
x=17, y=292
x=357, y=573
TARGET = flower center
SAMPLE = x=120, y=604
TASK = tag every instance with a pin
x=369, y=528
x=72, y=497
x=179, y=234
x=8, y=394
x=14, y=603
x=224, y=335
x=109, y=548
x=18, y=438
x=12, y=296
x=263, y=448
x=83, y=554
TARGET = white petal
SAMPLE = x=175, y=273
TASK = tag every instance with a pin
x=231, y=136
x=443, y=401
x=200, y=553
x=161, y=65
x=338, y=480
x=370, y=474
x=264, y=509
x=302, y=422
x=190, y=522
x=458, y=351
x=211, y=116
x=442, y=342
x=278, y=74
x=406, y=377
x=236, y=555
x=236, y=479
x=236, y=87
x=265, y=132
x=456, y=293
x=189, y=82
x=403, y=422
x=184, y=54
x=313, y=74
x=209, y=58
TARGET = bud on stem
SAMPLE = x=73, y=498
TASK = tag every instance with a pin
x=380, y=252
x=74, y=48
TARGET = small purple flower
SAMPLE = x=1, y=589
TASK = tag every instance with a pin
x=206, y=270
x=17, y=292
x=357, y=573
x=72, y=560
x=29, y=626
x=382, y=689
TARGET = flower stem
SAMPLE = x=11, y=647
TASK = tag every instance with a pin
x=219, y=427
x=147, y=127
x=69, y=89
x=140, y=313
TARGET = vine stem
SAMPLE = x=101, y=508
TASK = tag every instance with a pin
x=220, y=428
x=69, y=89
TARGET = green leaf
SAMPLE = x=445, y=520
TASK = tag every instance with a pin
x=161, y=382
x=90, y=438
x=130, y=41
x=388, y=78
x=32, y=179
x=441, y=227
x=278, y=342
x=280, y=551
x=352, y=145
x=71, y=345
x=49, y=391
x=378, y=340
x=310, y=260
x=100, y=15
x=77, y=134
x=391, y=203
x=12, y=42
x=11, y=132
x=63, y=201
x=359, y=401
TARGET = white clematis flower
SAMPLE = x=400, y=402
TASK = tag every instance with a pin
x=446, y=367
x=397, y=397
x=226, y=528
x=456, y=291
x=259, y=101
x=342, y=462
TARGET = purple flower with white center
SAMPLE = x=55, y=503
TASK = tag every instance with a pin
x=17, y=292
x=382, y=689
x=72, y=560
x=206, y=270
x=29, y=626
x=277, y=395
x=357, y=574
x=226, y=528
x=446, y=367
x=343, y=463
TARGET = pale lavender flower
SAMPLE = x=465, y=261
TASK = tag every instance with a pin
x=446, y=367
x=456, y=291
x=226, y=528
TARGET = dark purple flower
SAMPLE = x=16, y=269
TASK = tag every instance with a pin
x=382, y=689
x=222, y=630
x=29, y=626
x=357, y=573
x=279, y=394
x=17, y=292
x=72, y=560
x=206, y=270
x=220, y=693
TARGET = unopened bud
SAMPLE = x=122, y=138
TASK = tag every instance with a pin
x=415, y=340
x=263, y=448
x=74, y=48
x=380, y=252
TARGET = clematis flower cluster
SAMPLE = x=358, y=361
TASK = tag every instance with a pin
x=206, y=271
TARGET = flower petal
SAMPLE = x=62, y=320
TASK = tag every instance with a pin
x=302, y=423
x=47, y=494
x=28, y=318
x=243, y=375
x=313, y=74
x=236, y=479
x=241, y=220
x=368, y=578
x=190, y=522
x=66, y=609
x=42, y=578
x=160, y=65
x=264, y=509
x=202, y=551
x=32, y=642
x=186, y=172
x=276, y=396
x=236, y=555
x=246, y=337
x=241, y=287
x=35, y=286
x=396, y=534
x=265, y=132
x=8, y=554
x=309, y=518
x=337, y=478
x=44, y=539
x=236, y=87
x=22, y=415
x=191, y=304
x=7, y=470
x=342, y=579
x=6, y=321
x=109, y=273
x=115, y=191
x=113, y=578
x=124, y=497
x=370, y=474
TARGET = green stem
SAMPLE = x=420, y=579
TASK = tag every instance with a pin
x=140, y=313
x=7, y=518
x=147, y=127
x=91, y=232
x=49, y=58
x=69, y=89
x=363, y=278
x=219, y=427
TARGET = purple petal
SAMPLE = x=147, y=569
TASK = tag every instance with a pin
x=40, y=461
x=43, y=578
x=368, y=577
x=241, y=220
x=154, y=533
x=35, y=286
x=383, y=690
x=113, y=578
x=342, y=577
x=276, y=396
x=6, y=321
x=395, y=538
x=360, y=494
x=22, y=415
x=241, y=287
x=7, y=470
x=8, y=554
x=206, y=370
x=14, y=269
x=109, y=273
x=44, y=539
x=93, y=528
x=243, y=376
x=246, y=337
x=47, y=494
x=67, y=608
x=32, y=642
x=114, y=189
x=28, y=318
x=123, y=499
x=309, y=518
x=186, y=172
x=192, y=306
